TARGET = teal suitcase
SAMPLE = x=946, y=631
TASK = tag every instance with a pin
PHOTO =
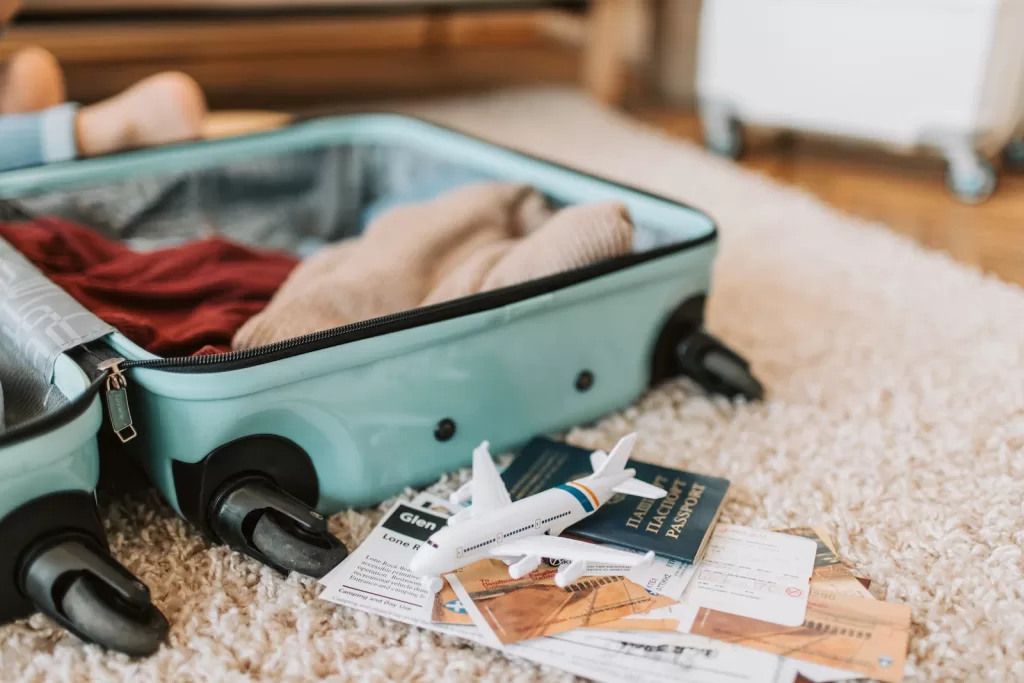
x=53, y=552
x=255, y=447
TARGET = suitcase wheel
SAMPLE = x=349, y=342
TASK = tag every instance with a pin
x=684, y=348
x=717, y=368
x=253, y=515
x=90, y=594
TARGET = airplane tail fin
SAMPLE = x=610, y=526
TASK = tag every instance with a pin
x=616, y=461
x=635, y=487
x=610, y=465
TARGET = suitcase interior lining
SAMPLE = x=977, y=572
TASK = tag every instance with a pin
x=24, y=393
x=276, y=202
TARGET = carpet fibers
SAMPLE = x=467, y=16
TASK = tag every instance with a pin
x=895, y=420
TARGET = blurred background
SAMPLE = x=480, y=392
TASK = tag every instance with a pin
x=908, y=112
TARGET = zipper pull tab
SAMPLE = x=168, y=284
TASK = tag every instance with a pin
x=117, y=400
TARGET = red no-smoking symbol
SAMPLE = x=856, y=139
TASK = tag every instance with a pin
x=794, y=592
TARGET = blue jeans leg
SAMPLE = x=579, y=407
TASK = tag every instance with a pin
x=38, y=138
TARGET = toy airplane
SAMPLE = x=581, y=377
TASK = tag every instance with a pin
x=523, y=532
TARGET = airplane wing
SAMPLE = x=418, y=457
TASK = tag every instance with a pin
x=487, y=490
x=569, y=549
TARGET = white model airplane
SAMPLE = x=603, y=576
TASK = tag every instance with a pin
x=523, y=532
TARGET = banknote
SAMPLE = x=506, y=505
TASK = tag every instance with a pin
x=448, y=609
x=533, y=606
x=639, y=622
x=830, y=572
x=868, y=637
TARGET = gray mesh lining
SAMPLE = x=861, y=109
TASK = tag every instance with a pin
x=38, y=322
x=24, y=394
x=37, y=317
x=272, y=202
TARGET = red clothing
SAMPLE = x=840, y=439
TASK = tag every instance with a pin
x=172, y=302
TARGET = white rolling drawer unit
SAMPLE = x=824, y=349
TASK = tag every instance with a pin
x=946, y=75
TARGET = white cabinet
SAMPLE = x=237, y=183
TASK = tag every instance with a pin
x=941, y=74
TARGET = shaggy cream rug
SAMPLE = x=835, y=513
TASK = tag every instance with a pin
x=895, y=419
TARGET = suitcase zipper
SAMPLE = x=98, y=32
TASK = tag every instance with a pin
x=394, y=322
x=117, y=382
x=117, y=399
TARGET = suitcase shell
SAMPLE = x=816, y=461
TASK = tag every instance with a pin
x=50, y=531
x=353, y=416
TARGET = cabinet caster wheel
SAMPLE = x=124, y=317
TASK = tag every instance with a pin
x=725, y=137
x=1013, y=154
x=972, y=184
x=254, y=516
x=91, y=595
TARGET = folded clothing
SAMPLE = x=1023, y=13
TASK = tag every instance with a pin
x=475, y=238
x=172, y=302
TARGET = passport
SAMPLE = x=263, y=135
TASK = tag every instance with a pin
x=676, y=526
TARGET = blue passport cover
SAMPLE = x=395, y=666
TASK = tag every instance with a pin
x=676, y=526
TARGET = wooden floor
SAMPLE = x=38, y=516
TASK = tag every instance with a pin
x=907, y=194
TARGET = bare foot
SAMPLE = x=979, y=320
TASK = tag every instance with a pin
x=169, y=107
x=32, y=80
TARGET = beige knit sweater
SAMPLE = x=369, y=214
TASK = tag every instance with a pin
x=473, y=239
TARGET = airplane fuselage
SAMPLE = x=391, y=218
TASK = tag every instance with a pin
x=549, y=512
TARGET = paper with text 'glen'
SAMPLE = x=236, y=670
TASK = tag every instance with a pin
x=763, y=575
x=375, y=579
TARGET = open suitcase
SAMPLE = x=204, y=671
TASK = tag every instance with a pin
x=254, y=447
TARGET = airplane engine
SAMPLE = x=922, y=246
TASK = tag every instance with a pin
x=524, y=566
x=460, y=517
x=462, y=494
x=570, y=573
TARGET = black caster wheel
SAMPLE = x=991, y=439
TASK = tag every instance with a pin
x=725, y=138
x=288, y=545
x=972, y=184
x=717, y=368
x=1013, y=154
x=87, y=592
x=105, y=620
x=254, y=516
x=732, y=373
